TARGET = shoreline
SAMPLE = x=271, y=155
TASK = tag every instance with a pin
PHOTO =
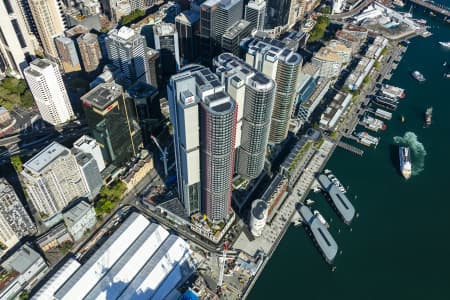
x=362, y=99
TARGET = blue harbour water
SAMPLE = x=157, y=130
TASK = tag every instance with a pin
x=399, y=246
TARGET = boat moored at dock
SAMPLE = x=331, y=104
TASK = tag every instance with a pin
x=339, y=201
x=392, y=91
x=373, y=123
x=335, y=180
x=366, y=139
x=321, y=219
x=320, y=234
x=383, y=114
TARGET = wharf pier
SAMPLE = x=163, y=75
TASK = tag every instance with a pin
x=437, y=9
x=350, y=148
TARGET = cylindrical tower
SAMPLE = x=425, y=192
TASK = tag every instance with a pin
x=218, y=126
x=258, y=216
x=258, y=106
x=286, y=80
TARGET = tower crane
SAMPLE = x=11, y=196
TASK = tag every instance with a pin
x=164, y=154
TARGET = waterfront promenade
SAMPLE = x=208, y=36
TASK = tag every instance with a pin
x=273, y=233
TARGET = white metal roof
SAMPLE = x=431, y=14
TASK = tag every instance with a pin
x=47, y=291
x=131, y=262
x=103, y=259
x=153, y=274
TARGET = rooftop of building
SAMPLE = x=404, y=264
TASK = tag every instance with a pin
x=21, y=260
x=343, y=35
x=85, y=140
x=49, y=154
x=259, y=208
x=206, y=79
x=102, y=95
x=42, y=63
x=275, y=50
x=340, y=100
x=325, y=54
x=64, y=40
x=219, y=103
x=189, y=17
x=338, y=46
x=74, y=214
x=163, y=29
x=5, y=187
x=124, y=33
x=76, y=30
x=353, y=27
x=82, y=157
x=88, y=37
x=239, y=71
x=135, y=253
x=237, y=28
x=141, y=89
x=310, y=69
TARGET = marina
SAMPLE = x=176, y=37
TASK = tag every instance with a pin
x=372, y=251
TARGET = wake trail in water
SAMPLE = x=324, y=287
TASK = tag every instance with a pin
x=418, y=151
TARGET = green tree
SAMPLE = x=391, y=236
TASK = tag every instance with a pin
x=17, y=163
x=325, y=10
x=133, y=16
x=27, y=99
x=24, y=295
x=319, y=29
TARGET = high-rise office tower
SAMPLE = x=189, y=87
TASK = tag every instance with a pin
x=68, y=55
x=89, y=145
x=27, y=17
x=166, y=41
x=46, y=85
x=50, y=23
x=204, y=123
x=282, y=15
x=52, y=180
x=255, y=12
x=90, y=51
x=127, y=51
x=153, y=66
x=111, y=123
x=254, y=94
x=90, y=173
x=16, y=43
x=216, y=16
x=232, y=38
x=188, y=28
x=282, y=65
x=144, y=98
x=15, y=222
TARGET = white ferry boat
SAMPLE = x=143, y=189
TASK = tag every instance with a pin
x=405, y=162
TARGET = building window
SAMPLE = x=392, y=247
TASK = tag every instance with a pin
x=8, y=6
x=19, y=34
